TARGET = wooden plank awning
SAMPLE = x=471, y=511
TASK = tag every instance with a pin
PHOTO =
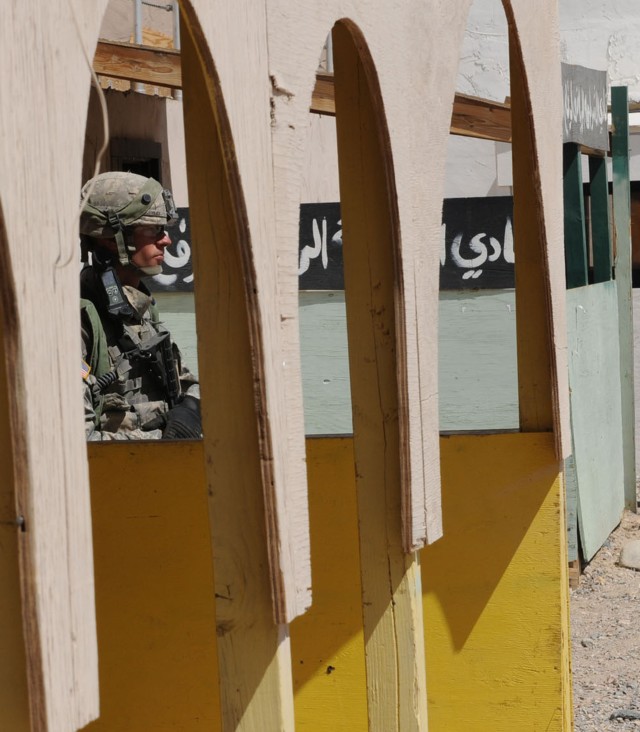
x=143, y=64
x=481, y=118
x=472, y=116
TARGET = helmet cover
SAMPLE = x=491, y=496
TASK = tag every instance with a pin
x=129, y=198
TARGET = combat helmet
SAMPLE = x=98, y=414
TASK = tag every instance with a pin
x=115, y=201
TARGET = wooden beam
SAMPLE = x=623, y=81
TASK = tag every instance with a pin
x=323, y=98
x=481, y=118
x=472, y=116
x=143, y=64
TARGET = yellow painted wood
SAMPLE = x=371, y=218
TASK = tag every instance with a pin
x=154, y=588
x=327, y=643
x=533, y=324
x=495, y=592
x=392, y=609
x=495, y=589
x=14, y=701
x=254, y=653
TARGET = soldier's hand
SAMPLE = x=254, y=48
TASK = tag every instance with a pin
x=183, y=421
x=157, y=423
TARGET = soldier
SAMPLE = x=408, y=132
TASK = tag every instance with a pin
x=135, y=384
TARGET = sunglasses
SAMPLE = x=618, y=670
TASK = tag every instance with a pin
x=152, y=233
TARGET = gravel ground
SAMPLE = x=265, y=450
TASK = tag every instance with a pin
x=605, y=630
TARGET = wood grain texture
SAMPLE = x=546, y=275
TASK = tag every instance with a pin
x=154, y=589
x=496, y=626
x=535, y=367
x=537, y=76
x=481, y=118
x=472, y=116
x=596, y=411
x=138, y=64
x=296, y=38
x=253, y=652
x=622, y=249
x=392, y=609
x=246, y=147
x=42, y=144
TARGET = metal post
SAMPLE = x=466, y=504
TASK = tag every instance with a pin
x=177, y=93
x=137, y=34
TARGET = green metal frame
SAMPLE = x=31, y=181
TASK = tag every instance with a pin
x=622, y=239
x=575, y=240
x=600, y=220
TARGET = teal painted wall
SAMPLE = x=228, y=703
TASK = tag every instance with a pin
x=478, y=373
x=478, y=370
x=177, y=312
x=596, y=412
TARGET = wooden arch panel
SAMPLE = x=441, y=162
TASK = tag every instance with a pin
x=496, y=628
x=43, y=97
x=542, y=354
x=296, y=36
x=240, y=80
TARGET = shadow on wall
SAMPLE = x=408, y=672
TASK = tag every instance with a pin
x=494, y=487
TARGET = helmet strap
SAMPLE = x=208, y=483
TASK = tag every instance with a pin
x=114, y=221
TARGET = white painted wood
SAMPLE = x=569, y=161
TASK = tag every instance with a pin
x=244, y=84
x=43, y=98
x=320, y=169
x=296, y=37
x=265, y=61
x=537, y=33
x=408, y=82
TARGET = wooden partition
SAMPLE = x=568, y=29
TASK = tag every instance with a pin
x=155, y=599
x=195, y=618
x=599, y=327
x=494, y=591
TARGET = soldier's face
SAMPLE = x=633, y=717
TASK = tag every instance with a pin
x=150, y=243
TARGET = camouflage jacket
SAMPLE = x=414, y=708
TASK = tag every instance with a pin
x=137, y=395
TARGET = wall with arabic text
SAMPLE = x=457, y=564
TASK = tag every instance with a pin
x=477, y=359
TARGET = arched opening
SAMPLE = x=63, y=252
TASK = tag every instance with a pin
x=330, y=635
x=497, y=580
x=349, y=312
x=212, y=651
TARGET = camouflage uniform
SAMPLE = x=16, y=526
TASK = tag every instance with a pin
x=125, y=348
x=136, y=398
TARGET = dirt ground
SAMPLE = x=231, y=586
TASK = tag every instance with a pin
x=605, y=631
